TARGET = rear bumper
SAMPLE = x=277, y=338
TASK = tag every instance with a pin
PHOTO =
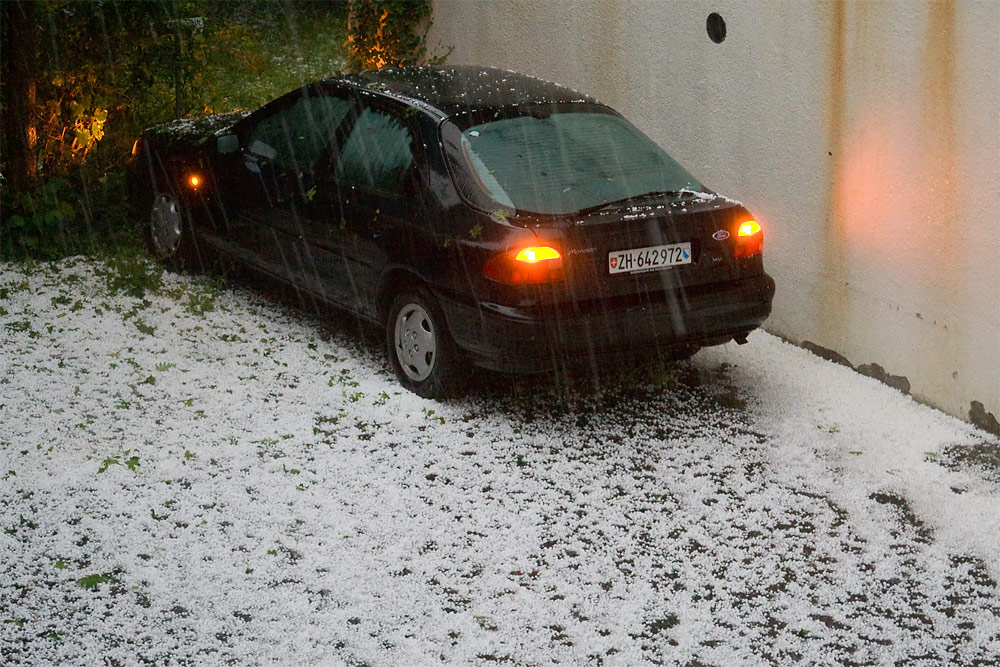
x=525, y=340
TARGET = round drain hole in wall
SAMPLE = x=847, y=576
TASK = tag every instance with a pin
x=716, y=26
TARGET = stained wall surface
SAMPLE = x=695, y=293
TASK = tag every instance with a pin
x=865, y=137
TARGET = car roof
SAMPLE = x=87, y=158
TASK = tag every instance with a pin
x=459, y=89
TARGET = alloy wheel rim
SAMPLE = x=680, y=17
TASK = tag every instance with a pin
x=165, y=225
x=416, y=345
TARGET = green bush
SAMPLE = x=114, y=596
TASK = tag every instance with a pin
x=103, y=71
x=80, y=213
x=36, y=223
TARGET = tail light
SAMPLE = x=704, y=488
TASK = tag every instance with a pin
x=749, y=240
x=533, y=265
x=194, y=180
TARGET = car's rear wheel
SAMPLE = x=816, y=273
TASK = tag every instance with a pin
x=421, y=350
x=681, y=353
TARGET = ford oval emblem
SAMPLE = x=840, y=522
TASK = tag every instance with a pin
x=720, y=235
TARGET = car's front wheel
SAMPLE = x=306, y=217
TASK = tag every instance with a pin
x=168, y=232
x=421, y=350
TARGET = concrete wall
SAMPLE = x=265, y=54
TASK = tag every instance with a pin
x=865, y=137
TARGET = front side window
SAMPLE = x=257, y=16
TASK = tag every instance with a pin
x=377, y=153
x=298, y=135
x=562, y=162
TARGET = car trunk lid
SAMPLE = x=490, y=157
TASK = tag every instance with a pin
x=695, y=235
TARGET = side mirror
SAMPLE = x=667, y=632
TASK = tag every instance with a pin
x=227, y=143
x=260, y=149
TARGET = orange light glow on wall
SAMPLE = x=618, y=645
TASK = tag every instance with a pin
x=194, y=181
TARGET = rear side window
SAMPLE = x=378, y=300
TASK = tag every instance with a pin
x=377, y=153
x=298, y=135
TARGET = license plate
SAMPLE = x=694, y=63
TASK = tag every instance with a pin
x=651, y=258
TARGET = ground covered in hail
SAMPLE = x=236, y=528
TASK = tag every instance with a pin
x=197, y=473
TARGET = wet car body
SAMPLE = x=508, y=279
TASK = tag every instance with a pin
x=368, y=190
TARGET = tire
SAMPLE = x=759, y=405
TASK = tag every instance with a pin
x=421, y=350
x=168, y=233
x=681, y=353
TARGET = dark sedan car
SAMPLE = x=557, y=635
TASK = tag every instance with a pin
x=480, y=216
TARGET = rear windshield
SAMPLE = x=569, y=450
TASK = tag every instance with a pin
x=562, y=162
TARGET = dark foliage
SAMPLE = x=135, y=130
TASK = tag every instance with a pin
x=387, y=33
x=80, y=80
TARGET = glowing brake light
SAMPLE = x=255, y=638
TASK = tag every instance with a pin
x=194, y=181
x=537, y=254
x=533, y=265
x=749, y=240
